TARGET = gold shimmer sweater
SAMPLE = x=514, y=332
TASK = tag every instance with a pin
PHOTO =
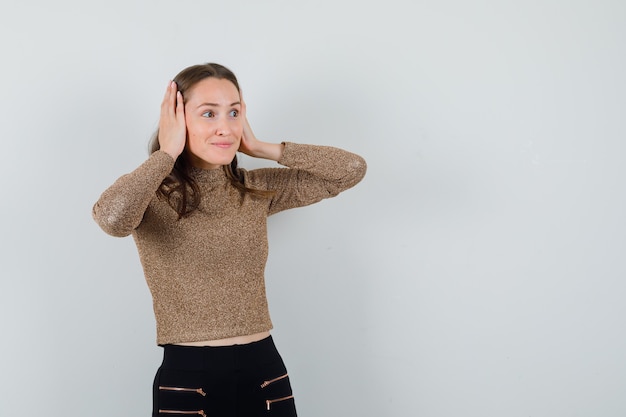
x=206, y=271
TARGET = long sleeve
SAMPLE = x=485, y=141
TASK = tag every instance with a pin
x=314, y=173
x=121, y=207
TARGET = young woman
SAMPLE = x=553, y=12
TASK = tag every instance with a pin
x=199, y=223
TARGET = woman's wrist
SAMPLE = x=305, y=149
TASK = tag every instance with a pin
x=274, y=151
x=171, y=153
x=270, y=151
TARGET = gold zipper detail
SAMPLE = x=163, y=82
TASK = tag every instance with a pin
x=199, y=412
x=196, y=390
x=277, y=400
x=271, y=381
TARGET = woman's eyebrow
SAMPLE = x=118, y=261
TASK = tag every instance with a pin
x=217, y=105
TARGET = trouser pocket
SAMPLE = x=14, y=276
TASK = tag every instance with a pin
x=269, y=403
x=278, y=396
x=182, y=413
x=181, y=389
x=269, y=382
x=180, y=393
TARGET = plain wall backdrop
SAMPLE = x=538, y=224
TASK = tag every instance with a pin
x=478, y=270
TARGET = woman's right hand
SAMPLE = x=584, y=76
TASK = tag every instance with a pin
x=172, y=128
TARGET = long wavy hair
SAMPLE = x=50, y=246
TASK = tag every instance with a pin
x=179, y=188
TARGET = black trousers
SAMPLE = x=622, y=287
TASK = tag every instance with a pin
x=232, y=381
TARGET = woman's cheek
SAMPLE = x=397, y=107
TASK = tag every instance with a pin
x=239, y=130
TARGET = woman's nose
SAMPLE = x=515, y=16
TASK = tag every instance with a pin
x=222, y=129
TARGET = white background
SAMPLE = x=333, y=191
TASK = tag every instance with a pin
x=478, y=270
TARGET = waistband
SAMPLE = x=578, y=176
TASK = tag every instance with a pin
x=220, y=357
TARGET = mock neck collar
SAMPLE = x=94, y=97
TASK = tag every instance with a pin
x=208, y=175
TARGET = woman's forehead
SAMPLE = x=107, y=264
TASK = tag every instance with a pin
x=213, y=90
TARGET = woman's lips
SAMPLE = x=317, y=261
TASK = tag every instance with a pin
x=223, y=145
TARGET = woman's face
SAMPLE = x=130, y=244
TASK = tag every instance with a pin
x=214, y=126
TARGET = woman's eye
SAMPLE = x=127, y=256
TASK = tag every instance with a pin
x=234, y=113
x=208, y=114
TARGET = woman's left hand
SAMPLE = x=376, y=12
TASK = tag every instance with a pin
x=250, y=145
x=249, y=142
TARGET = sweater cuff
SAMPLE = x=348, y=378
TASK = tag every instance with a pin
x=291, y=154
x=161, y=161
